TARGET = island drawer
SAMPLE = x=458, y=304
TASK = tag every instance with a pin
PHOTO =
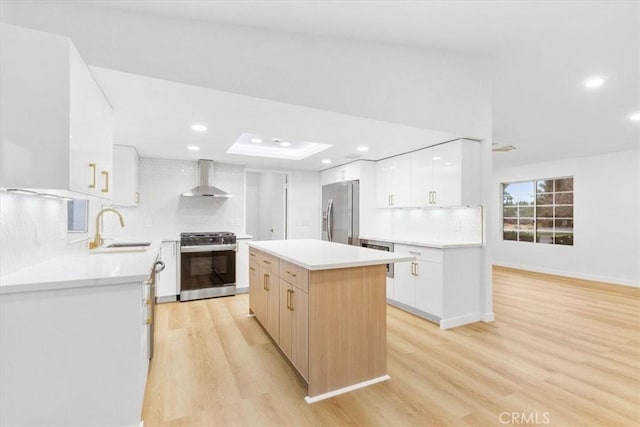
x=270, y=263
x=294, y=274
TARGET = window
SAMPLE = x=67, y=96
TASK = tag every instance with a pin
x=538, y=211
x=77, y=216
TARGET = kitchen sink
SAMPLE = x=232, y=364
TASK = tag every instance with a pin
x=118, y=247
x=128, y=245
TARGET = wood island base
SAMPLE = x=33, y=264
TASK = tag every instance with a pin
x=330, y=324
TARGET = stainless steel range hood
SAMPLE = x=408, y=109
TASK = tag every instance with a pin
x=206, y=188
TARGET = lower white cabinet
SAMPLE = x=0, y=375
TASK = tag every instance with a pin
x=441, y=285
x=167, y=288
x=73, y=356
x=242, y=265
x=390, y=288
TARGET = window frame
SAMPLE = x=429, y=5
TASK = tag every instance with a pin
x=536, y=218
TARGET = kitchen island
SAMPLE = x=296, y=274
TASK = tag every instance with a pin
x=324, y=305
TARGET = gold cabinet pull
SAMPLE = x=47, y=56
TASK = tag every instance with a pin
x=250, y=254
x=291, y=299
x=147, y=321
x=266, y=262
x=106, y=182
x=92, y=166
x=266, y=280
x=252, y=269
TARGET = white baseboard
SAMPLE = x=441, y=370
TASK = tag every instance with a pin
x=347, y=389
x=454, y=322
x=488, y=317
x=572, y=274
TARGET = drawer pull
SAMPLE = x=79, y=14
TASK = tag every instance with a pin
x=252, y=269
x=266, y=262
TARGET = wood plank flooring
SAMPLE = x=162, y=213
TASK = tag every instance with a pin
x=562, y=352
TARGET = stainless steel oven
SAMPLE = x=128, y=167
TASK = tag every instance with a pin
x=207, y=265
x=381, y=246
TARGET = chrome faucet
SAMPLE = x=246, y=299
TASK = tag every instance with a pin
x=97, y=239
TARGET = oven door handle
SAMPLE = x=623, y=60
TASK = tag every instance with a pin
x=208, y=248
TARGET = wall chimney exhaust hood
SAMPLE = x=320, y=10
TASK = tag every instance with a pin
x=206, y=188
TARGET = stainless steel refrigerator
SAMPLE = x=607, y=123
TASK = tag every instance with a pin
x=341, y=213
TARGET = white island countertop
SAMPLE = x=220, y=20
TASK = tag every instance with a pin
x=83, y=269
x=313, y=254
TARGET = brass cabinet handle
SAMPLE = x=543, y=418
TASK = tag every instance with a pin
x=92, y=166
x=435, y=198
x=266, y=262
x=250, y=254
x=291, y=300
x=106, y=182
x=252, y=269
x=293, y=274
x=266, y=280
x=288, y=299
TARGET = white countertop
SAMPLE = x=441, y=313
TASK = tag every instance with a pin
x=313, y=254
x=82, y=270
x=424, y=243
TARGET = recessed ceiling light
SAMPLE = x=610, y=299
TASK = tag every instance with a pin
x=363, y=148
x=326, y=161
x=436, y=158
x=199, y=128
x=635, y=117
x=594, y=82
x=193, y=148
x=256, y=140
x=285, y=144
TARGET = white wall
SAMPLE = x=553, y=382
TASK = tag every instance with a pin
x=252, y=205
x=606, y=220
x=164, y=214
x=305, y=198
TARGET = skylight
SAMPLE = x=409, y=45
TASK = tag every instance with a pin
x=273, y=147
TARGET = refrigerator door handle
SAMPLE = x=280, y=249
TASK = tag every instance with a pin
x=329, y=209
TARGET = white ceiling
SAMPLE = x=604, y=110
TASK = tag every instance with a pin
x=544, y=51
x=156, y=115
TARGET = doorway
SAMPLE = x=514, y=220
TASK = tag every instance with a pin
x=266, y=205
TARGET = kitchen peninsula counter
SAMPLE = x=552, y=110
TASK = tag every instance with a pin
x=324, y=305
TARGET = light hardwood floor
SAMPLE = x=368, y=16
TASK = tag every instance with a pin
x=561, y=350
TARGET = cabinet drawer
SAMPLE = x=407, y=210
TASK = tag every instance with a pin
x=270, y=263
x=420, y=252
x=294, y=274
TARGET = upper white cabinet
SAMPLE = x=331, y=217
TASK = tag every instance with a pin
x=126, y=188
x=393, y=176
x=347, y=172
x=56, y=124
x=439, y=176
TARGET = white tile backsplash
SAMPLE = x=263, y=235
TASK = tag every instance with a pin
x=32, y=229
x=163, y=213
x=434, y=224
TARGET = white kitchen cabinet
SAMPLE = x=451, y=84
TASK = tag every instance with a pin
x=80, y=351
x=441, y=285
x=390, y=288
x=404, y=286
x=393, y=177
x=167, y=288
x=446, y=175
x=418, y=284
x=242, y=265
x=126, y=191
x=56, y=124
